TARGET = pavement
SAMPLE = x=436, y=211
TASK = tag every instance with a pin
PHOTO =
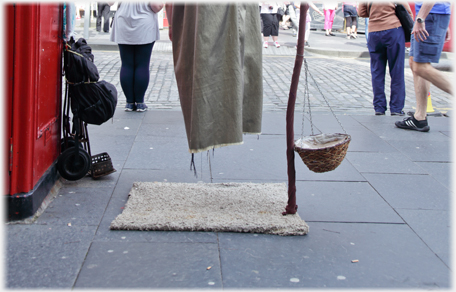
x=380, y=220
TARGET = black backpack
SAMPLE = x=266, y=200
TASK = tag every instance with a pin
x=78, y=60
x=92, y=101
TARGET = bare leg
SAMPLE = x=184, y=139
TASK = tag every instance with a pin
x=274, y=38
x=421, y=91
x=426, y=71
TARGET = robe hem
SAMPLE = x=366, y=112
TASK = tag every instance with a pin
x=213, y=147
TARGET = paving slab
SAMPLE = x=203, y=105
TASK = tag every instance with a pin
x=45, y=256
x=117, y=146
x=426, y=151
x=383, y=163
x=410, y=191
x=342, y=202
x=151, y=265
x=433, y=227
x=389, y=256
x=441, y=172
x=77, y=206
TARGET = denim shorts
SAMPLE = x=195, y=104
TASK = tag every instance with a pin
x=429, y=51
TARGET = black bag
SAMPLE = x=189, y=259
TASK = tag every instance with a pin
x=94, y=103
x=406, y=21
x=78, y=62
x=280, y=12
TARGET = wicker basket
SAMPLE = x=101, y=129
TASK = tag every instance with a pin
x=321, y=158
x=101, y=165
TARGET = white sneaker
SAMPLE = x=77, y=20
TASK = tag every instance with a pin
x=265, y=44
x=277, y=45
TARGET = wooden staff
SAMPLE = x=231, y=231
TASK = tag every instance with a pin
x=292, y=207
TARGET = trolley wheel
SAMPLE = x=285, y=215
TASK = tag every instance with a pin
x=70, y=142
x=66, y=164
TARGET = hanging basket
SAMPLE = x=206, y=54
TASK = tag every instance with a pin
x=323, y=152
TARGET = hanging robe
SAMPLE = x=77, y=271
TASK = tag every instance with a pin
x=217, y=53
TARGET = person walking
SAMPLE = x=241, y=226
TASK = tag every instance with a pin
x=135, y=30
x=329, y=9
x=103, y=9
x=386, y=44
x=350, y=15
x=429, y=33
x=270, y=23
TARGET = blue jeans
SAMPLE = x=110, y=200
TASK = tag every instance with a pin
x=388, y=46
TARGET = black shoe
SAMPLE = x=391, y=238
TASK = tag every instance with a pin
x=401, y=113
x=379, y=113
x=411, y=123
x=331, y=34
x=307, y=44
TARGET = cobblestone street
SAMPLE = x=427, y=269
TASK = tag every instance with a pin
x=344, y=82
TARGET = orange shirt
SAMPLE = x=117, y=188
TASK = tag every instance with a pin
x=382, y=15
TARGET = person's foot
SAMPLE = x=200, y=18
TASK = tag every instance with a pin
x=326, y=34
x=141, y=107
x=265, y=44
x=129, y=107
x=348, y=37
x=294, y=32
x=353, y=36
x=401, y=113
x=411, y=123
x=331, y=34
x=307, y=44
x=379, y=113
x=277, y=44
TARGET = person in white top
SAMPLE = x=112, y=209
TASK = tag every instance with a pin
x=135, y=30
x=270, y=22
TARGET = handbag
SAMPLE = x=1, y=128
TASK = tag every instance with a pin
x=406, y=21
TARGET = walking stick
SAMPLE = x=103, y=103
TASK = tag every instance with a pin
x=292, y=207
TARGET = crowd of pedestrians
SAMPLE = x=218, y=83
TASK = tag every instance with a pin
x=384, y=35
x=385, y=39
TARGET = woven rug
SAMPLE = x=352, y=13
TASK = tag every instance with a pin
x=229, y=207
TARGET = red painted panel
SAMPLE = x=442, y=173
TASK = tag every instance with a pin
x=49, y=76
x=9, y=22
x=36, y=92
x=23, y=98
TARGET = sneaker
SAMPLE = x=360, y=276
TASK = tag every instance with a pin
x=129, y=107
x=265, y=44
x=277, y=44
x=307, y=44
x=401, y=113
x=411, y=123
x=348, y=37
x=141, y=107
x=379, y=113
x=294, y=32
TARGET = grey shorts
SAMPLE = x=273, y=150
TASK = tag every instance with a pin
x=430, y=50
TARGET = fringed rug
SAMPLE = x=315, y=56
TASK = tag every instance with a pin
x=229, y=207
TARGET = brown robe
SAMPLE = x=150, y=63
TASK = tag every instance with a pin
x=217, y=50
